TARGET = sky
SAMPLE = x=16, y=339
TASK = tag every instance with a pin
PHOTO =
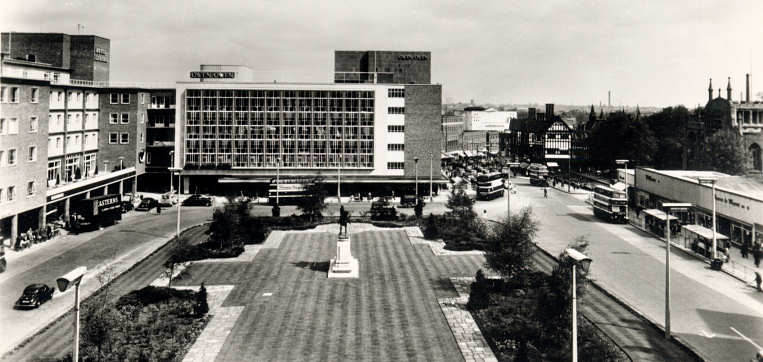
x=648, y=52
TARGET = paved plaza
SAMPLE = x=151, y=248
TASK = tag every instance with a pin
x=292, y=311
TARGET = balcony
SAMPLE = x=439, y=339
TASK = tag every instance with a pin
x=58, y=186
x=162, y=144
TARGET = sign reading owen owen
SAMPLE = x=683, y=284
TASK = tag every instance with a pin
x=220, y=75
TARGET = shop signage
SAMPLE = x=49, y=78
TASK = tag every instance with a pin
x=217, y=75
x=101, y=55
x=731, y=202
x=650, y=178
x=412, y=57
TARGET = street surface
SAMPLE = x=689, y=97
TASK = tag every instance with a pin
x=718, y=316
x=121, y=245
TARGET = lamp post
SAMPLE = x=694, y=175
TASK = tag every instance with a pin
x=177, y=226
x=339, y=181
x=172, y=164
x=667, y=207
x=627, y=197
x=704, y=181
x=278, y=164
x=73, y=277
x=584, y=262
x=431, y=157
x=416, y=171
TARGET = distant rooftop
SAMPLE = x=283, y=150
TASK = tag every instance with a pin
x=748, y=186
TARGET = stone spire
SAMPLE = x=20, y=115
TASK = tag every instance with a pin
x=728, y=90
x=710, y=91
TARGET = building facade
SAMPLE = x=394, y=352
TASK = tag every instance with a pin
x=481, y=119
x=542, y=138
x=390, y=67
x=452, y=132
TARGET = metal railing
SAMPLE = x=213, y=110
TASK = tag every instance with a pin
x=23, y=74
x=363, y=77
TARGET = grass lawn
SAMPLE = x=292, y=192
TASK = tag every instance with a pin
x=389, y=313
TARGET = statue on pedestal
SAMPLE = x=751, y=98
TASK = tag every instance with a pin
x=344, y=219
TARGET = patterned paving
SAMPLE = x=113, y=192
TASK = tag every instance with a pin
x=390, y=313
x=473, y=345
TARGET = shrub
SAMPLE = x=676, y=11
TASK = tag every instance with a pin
x=431, y=231
x=201, y=307
x=276, y=211
x=418, y=210
x=479, y=295
x=152, y=295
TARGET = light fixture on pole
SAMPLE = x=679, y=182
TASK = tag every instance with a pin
x=73, y=277
x=431, y=157
x=339, y=181
x=704, y=181
x=177, y=226
x=584, y=262
x=172, y=164
x=625, y=162
x=667, y=207
x=269, y=129
x=416, y=172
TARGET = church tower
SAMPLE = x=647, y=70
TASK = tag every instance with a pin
x=728, y=90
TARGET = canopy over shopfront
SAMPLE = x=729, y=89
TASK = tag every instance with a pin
x=704, y=232
x=659, y=214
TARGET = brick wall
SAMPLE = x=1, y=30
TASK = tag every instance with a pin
x=24, y=170
x=407, y=67
x=132, y=150
x=51, y=48
x=422, y=128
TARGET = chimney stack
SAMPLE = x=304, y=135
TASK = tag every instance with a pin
x=747, y=83
x=549, y=110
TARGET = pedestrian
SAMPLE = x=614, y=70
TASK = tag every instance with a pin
x=757, y=280
x=744, y=249
x=545, y=193
x=158, y=209
x=756, y=254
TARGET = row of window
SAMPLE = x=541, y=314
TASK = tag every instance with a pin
x=322, y=160
x=11, y=125
x=12, y=158
x=395, y=165
x=395, y=129
x=9, y=194
x=13, y=95
x=396, y=93
x=286, y=94
x=119, y=138
x=395, y=147
x=396, y=110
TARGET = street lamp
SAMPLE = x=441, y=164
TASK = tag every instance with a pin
x=704, y=181
x=667, y=207
x=172, y=164
x=339, y=181
x=278, y=162
x=177, y=227
x=431, y=156
x=627, y=197
x=73, y=277
x=416, y=171
x=584, y=262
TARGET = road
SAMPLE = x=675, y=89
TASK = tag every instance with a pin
x=121, y=245
x=714, y=314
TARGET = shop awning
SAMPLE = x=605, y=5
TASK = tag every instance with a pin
x=552, y=164
x=705, y=232
x=658, y=214
x=444, y=156
x=619, y=186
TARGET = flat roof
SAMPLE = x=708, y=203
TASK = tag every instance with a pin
x=743, y=185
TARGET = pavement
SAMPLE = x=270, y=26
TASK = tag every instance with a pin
x=113, y=249
x=713, y=313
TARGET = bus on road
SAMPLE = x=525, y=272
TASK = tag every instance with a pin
x=538, y=174
x=489, y=186
x=610, y=204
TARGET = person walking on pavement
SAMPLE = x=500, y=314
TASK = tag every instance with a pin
x=545, y=193
x=745, y=249
x=758, y=279
x=756, y=254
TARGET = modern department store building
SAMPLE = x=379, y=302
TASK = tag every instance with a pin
x=739, y=201
x=233, y=135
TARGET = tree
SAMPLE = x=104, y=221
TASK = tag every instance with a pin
x=724, y=152
x=201, y=307
x=180, y=253
x=430, y=228
x=418, y=210
x=510, y=246
x=621, y=136
x=224, y=225
x=459, y=203
x=667, y=126
x=314, y=201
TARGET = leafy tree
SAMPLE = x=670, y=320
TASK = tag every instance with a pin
x=431, y=230
x=667, y=126
x=724, y=152
x=180, y=253
x=460, y=204
x=510, y=246
x=313, y=204
x=224, y=225
x=621, y=136
x=479, y=293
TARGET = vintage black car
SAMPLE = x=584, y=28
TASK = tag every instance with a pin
x=33, y=296
x=147, y=204
x=197, y=200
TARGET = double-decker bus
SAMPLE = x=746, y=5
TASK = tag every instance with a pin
x=538, y=174
x=610, y=204
x=489, y=186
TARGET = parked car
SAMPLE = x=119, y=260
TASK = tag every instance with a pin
x=197, y=200
x=408, y=201
x=147, y=204
x=168, y=200
x=383, y=210
x=33, y=296
x=127, y=206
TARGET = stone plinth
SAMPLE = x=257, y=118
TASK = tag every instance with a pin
x=344, y=265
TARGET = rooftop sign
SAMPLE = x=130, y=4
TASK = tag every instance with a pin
x=412, y=57
x=218, y=75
